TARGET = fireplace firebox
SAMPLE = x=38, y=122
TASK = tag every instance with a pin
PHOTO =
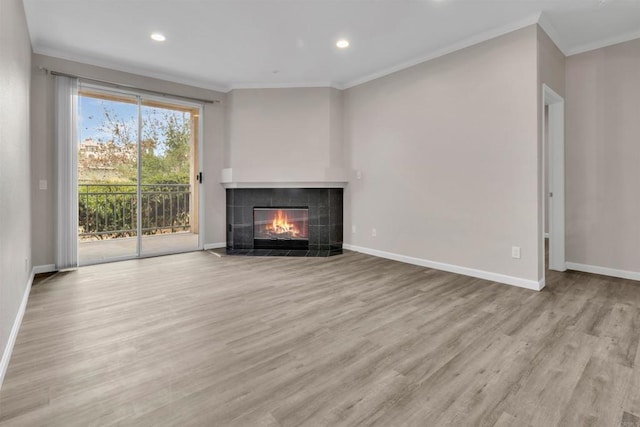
x=281, y=228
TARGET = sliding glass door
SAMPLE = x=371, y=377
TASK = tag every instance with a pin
x=107, y=177
x=169, y=202
x=137, y=167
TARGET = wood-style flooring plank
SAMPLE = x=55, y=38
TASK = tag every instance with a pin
x=199, y=339
x=599, y=395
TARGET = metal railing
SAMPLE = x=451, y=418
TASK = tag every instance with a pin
x=108, y=211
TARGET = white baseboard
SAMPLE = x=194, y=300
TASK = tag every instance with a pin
x=481, y=274
x=605, y=271
x=6, y=355
x=47, y=268
x=208, y=246
x=546, y=235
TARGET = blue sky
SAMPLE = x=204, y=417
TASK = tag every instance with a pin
x=91, y=117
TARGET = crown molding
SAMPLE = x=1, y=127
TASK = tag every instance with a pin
x=540, y=18
x=40, y=50
x=479, y=38
x=286, y=85
x=551, y=31
x=470, y=41
x=603, y=43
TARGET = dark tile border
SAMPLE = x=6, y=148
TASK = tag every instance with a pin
x=280, y=253
x=325, y=216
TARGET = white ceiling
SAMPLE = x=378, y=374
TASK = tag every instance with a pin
x=222, y=44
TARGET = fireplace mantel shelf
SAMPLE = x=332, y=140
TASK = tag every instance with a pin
x=269, y=177
x=302, y=184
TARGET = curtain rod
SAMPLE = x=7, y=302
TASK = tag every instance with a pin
x=129, y=87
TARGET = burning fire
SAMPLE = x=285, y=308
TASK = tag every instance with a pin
x=281, y=225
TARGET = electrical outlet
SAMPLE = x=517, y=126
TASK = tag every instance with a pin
x=359, y=174
x=43, y=184
x=515, y=252
x=374, y=232
x=353, y=229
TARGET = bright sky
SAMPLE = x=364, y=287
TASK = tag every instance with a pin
x=91, y=117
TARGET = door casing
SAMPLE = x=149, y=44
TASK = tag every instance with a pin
x=555, y=177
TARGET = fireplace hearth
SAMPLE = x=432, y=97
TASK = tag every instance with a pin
x=284, y=221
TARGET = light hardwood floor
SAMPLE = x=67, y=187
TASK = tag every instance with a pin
x=198, y=339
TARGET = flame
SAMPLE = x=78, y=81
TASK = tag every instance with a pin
x=281, y=225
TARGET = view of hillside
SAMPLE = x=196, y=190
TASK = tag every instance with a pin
x=108, y=152
x=108, y=169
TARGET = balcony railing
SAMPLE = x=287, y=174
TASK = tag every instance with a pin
x=108, y=211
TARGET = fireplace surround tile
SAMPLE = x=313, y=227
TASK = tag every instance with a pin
x=325, y=218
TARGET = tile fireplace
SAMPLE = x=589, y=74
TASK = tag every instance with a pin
x=284, y=221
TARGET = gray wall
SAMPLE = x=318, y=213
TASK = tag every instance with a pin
x=603, y=157
x=448, y=151
x=285, y=135
x=43, y=159
x=551, y=63
x=15, y=183
x=551, y=71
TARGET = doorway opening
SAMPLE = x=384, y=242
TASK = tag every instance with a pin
x=138, y=163
x=553, y=180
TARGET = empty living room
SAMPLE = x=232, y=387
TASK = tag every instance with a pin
x=320, y=213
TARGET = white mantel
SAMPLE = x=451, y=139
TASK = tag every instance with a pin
x=284, y=184
x=234, y=178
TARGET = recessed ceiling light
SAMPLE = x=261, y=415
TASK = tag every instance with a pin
x=342, y=44
x=158, y=37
